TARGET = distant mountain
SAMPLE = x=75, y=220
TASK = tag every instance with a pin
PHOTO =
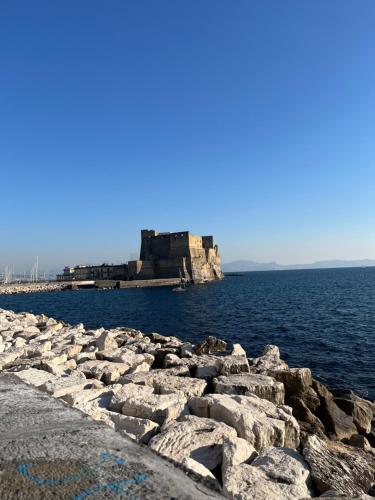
x=250, y=265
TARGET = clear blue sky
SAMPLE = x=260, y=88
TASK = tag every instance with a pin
x=250, y=120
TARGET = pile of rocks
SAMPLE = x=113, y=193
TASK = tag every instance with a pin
x=253, y=428
x=30, y=288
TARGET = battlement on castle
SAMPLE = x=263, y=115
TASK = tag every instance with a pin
x=162, y=255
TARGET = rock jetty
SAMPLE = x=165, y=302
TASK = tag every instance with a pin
x=252, y=428
x=16, y=288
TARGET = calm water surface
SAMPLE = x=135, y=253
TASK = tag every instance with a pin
x=322, y=319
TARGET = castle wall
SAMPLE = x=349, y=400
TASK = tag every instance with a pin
x=195, y=242
x=170, y=268
x=141, y=270
x=179, y=244
x=160, y=247
x=162, y=255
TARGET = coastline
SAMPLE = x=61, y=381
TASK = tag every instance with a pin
x=272, y=431
x=17, y=288
x=56, y=286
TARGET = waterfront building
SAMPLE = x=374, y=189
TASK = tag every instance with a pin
x=162, y=255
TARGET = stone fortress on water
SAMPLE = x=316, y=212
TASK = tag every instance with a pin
x=162, y=256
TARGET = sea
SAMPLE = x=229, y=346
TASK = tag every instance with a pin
x=321, y=319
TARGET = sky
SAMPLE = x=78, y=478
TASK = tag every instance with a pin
x=251, y=120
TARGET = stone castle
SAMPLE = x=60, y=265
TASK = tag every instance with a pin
x=163, y=255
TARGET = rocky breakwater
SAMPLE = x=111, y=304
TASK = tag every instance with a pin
x=251, y=427
x=16, y=288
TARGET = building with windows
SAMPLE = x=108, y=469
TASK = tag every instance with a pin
x=162, y=255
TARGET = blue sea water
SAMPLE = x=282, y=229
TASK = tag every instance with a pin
x=321, y=319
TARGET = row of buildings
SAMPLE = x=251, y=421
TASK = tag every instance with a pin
x=162, y=255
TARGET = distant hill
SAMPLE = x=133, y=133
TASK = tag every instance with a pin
x=250, y=265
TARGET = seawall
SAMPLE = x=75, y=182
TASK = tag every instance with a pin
x=18, y=288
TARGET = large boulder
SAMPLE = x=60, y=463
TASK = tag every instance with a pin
x=233, y=364
x=276, y=473
x=35, y=377
x=208, y=366
x=198, y=438
x=249, y=383
x=123, y=393
x=164, y=383
x=335, y=466
x=106, y=341
x=210, y=345
x=257, y=420
x=10, y=356
x=204, y=366
x=138, y=429
x=269, y=362
x=359, y=409
x=109, y=371
x=162, y=357
x=308, y=422
x=360, y=442
x=62, y=386
x=238, y=350
x=160, y=408
x=337, y=423
x=93, y=402
x=295, y=380
x=162, y=339
x=236, y=451
x=200, y=470
x=127, y=357
x=80, y=398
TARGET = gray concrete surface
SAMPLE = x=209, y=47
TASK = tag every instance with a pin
x=48, y=450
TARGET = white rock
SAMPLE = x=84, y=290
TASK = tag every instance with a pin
x=54, y=368
x=198, y=438
x=237, y=451
x=284, y=465
x=106, y=341
x=335, y=466
x=37, y=350
x=234, y=364
x=72, y=350
x=19, y=342
x=164, y=383
x=250, y=383
x=277, y=473
x=245, y=482
x=66, y=385
x=159, y=408
x=52, y=328
x=200, y=470
x=259, y=421
x=238, y=350
x=108, y=371
x=125, y=392
x=82, y=357
x=270, y=361
x=35, y=377
x=10, y=356
x=128, y=357
x=139, y=429
x=78, y=399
